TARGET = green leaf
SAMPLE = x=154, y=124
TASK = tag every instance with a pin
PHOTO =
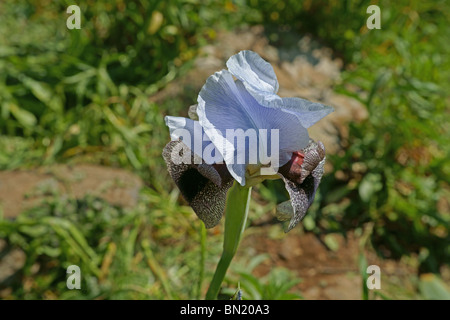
x=236, y=212
x=24, y=117
x=362, y=263
x=331, y=242
x=238, y=201
x=433, y=288
x=40, y=90
x=370, y=184
x=251, y=286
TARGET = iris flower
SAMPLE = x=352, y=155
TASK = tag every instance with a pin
x=239, y=134
x=204, y=160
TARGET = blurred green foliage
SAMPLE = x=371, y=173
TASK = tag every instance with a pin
x=395, y=170
x=276, y=285
x=83, y=95
x=113, y=247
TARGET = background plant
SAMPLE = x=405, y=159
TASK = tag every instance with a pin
x=82, y=96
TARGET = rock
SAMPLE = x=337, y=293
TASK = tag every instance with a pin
x=23, y=189
x=12, y=261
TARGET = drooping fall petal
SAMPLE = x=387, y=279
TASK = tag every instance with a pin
x=203, y=186
x=301, y=177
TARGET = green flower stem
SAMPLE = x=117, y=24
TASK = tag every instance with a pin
x=238, y=200
x=202, y=258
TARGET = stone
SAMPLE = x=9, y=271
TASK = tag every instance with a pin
x=22, y=189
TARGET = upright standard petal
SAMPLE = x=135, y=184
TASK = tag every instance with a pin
x=224, y=106
x=292, y=134
x=257, y=75
x=261, y=82
x=219, y=110
x=307, y=112
x=193, y=137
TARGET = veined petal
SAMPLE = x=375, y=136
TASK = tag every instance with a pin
x=250, y=68
x=302, y=181
x=224, y=104
x=257, y=75
x=220, y=109
x=302, y=196
x=307, y=112
x=203, y=186
x=292, y=135
x=194, y=137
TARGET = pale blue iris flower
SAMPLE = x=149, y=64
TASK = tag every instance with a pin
x=247, y=102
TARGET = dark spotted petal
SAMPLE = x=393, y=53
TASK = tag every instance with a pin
x=203, y=186
x=302, y=186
